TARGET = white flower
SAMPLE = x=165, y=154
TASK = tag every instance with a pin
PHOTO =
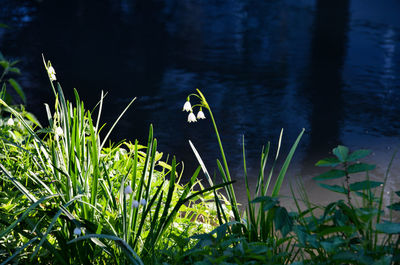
x=143, y=202
x=77, y=231
x=128, y=189
x=10, y=122
x=52, y=73
x=135, y=204
x=187, y=107
x=191, y=117
x=59, y=131
x=200, y=115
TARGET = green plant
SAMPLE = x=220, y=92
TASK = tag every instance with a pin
x=9, y=69
x=85, y=203
x=260, y=222
x=347, y=232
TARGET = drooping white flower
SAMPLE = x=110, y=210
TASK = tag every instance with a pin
x=200, y=115
x=135, y=204
x=52, y=73
x=77, y=231
x=187, y=107
x=191, y=117
x=10, y=122
x=143, y=202
x=128, y=189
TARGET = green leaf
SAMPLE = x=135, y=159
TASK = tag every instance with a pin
x=282, y=173
x=364, y=185
x=328, y=162
x=361, y=167
x=389, y=228
x=4, y=63
x=397, y=193
x=334, y=188
x=15, y=70
x=2, y=25
x=336, y=229
x=267, y=201
x=356, y=155
x=17, y=88
x=346, y=256
x=33, y=119
x=331, y=174
x=282, y=220
x=341, y=152
x=395, y=206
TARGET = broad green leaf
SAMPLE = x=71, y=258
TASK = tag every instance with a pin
x=356, y=155
x=332, y=244
x=282, y=220
x=389, y=228
x=337, y=229
x=17, y=89
x=5, y=64
x=341, y=152
x=395, y=206
x=331, y=174
x=334, y=188
x=346, y=256
x=364, y=185
x=328, y=162
x=361, y=167
x=397, y=193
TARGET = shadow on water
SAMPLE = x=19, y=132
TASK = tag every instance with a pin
x=323, y=87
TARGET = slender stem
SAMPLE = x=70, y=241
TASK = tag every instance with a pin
x=230, y=187
x=347, y=183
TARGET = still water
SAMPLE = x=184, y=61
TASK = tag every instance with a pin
x=331, y=67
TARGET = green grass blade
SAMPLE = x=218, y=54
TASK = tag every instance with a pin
x=285, y=166
x=115, y=123
x=18, y=251
x=131, y=254
x=25, y=214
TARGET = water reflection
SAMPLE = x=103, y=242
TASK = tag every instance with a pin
x=331, y=67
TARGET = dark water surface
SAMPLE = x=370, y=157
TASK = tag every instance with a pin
x=332, y=67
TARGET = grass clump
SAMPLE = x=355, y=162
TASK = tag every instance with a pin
x=67, y=198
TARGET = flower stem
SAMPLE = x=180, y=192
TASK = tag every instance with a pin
x=230, y=190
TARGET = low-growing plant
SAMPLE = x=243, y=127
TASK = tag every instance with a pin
x=80, y=202
x=351, y=231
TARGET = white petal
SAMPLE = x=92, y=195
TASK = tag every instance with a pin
x=201, y=115
x=59, y=131
x=187, y=106
x=10, y=122
x=191, y=117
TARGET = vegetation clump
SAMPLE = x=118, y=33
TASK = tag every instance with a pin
x=68, y=198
